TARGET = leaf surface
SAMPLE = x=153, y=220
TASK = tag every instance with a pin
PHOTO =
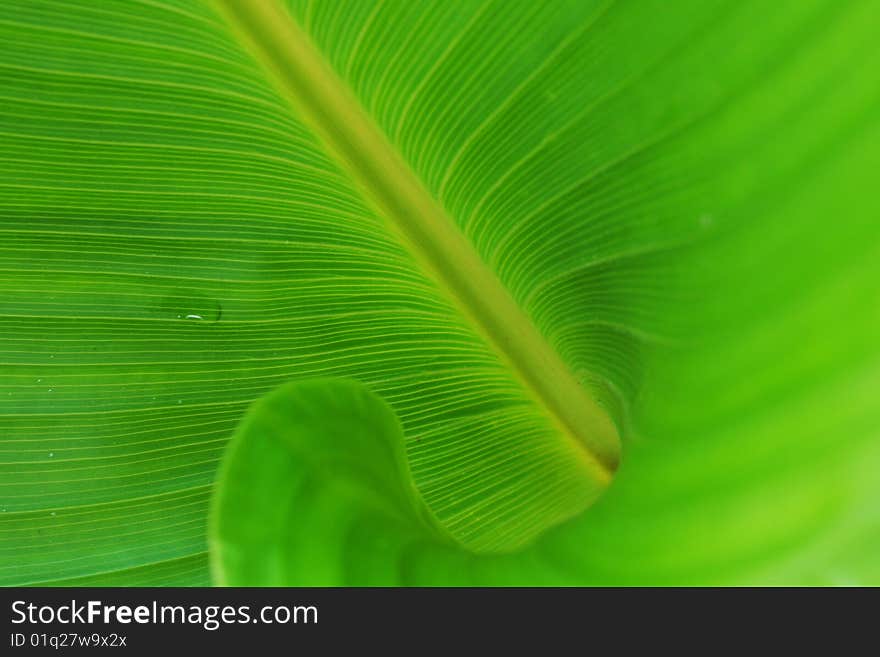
x=677, y=199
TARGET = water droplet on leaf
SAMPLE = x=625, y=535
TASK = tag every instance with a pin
x=190, y=307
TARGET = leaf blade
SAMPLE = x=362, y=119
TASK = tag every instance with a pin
x=695, y=227
x=312, y=86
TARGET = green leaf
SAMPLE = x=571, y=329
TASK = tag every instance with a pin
x=316, y=491
x=509, y=221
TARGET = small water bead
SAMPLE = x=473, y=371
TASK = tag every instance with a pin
x=194, y=316
x=190, y=307
x=51, y=454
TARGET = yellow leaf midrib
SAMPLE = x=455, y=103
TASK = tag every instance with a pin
x=301, y=74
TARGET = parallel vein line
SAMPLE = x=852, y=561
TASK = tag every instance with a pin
x=302, y=75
